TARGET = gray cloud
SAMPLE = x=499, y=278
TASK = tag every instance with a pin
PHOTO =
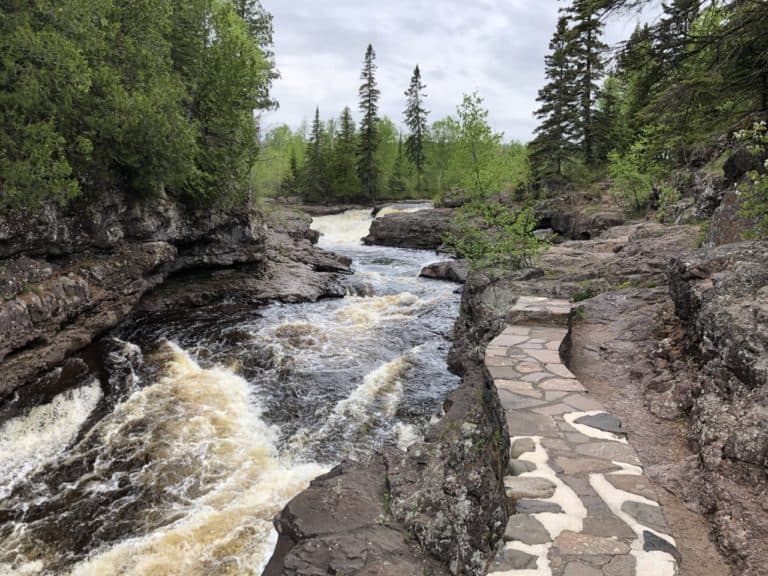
x=496, y=47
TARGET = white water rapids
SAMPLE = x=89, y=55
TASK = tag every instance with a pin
x=211, y=420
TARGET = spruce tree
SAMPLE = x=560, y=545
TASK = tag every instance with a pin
x=553, y=144
x=416, y=120
x=260, y=27
x=398, y=186
x=315, y=167
x=587, y=51
x=290, y=184
x=343, y=181
x=367, y=168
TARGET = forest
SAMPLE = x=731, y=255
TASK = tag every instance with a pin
x=166, y=96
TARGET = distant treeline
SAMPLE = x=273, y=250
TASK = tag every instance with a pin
x=335, y=160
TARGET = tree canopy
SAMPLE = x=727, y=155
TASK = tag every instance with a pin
x=171, y=110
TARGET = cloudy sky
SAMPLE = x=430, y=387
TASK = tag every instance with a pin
x=496, y=47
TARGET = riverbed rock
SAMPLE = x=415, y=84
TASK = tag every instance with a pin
x=342, y=525
x=422, y=230
x=452, y=270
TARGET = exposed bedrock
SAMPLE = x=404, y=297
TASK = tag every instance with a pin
x=721, y=299
x=68, y=275
x=423, y=230
x=440, y=507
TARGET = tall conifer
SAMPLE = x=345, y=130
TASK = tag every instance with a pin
x=367, y=168
x=416, y=120
x=553, y=144
x=587, y=51
x=315, y=169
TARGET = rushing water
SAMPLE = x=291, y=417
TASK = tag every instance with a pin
x=206, y=422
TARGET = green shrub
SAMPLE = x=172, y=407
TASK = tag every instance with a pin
x=629, y=185
x=668, y=195
x=490, y=234
x=755, y=191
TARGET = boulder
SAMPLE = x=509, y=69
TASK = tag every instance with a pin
x=341, y=525
x=422, y=230
x=452, y=270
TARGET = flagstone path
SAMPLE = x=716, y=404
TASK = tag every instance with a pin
x=578, y=502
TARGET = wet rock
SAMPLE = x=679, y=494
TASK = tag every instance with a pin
x=647, y=515
x=652, y=543
x=530, y=506
x=453, y=270
x=108, y=253
x=603, y=421
x=423, y=230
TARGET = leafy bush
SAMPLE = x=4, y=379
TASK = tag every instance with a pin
x=668, y=195
x=490, y=234
x=755, y=192
x=630, y=186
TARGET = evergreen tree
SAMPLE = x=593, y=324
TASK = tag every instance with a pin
x=315, y=166
x=553, y=144
x=260, y=27
x=290, y=184
x=398, y=186
x=416, y=120
x=367, y=168
x=343, y=181
x=587, y=51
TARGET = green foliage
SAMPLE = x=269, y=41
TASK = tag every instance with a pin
x=315, y=185
x=489, y=234
x=367, y=168
x=585, y=294
x=678, y=84
x=755, y=192
x=668, y=195
x=629, y=185
x=478, y=149
x=416, y=120
x=398, y=185
x=343, y=182
x=149, y=96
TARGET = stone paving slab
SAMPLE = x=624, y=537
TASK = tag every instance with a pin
x=578, y=502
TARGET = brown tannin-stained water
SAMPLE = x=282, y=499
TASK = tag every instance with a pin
x=206, y=422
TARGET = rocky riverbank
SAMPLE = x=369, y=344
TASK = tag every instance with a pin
x=677, y=379
x=438, y=508
x=67, y=275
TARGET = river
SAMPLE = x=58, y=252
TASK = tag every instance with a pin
x=206, y=422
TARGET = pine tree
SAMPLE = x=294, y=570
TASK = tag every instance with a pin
x=587, y=51
x=343, y=181
x=416, y=120
x=259, y=24
x=553, y=144
x=398, y=186
x=290, y=184
x=315, y=167
x=367, y=168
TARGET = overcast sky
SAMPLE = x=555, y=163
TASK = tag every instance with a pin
x=496, y=47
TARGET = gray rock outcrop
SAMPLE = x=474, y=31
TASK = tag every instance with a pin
x=422, y=230
x=68, y=274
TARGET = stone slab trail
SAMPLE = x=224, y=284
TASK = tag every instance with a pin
x=578, y=502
